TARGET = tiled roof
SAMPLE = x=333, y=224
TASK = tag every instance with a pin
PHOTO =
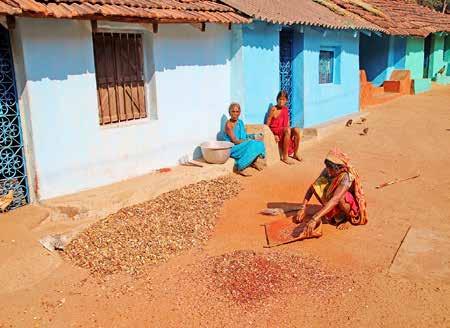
x=308, y=12
x=399, y=17
x=147, y=10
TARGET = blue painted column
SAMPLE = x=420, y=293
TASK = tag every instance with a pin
x=255, y=61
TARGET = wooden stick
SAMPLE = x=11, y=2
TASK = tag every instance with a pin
x=267, y=236
x=398, y=248
x=396, y=181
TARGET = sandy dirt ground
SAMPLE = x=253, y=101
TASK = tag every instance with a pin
x=407, y=136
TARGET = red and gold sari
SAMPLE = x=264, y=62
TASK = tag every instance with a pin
x=325, y=186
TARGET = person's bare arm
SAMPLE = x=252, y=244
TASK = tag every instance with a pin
x=302, y=210
x=269, y=121
x=334, y=201
x=229, y=131
x=270, y=116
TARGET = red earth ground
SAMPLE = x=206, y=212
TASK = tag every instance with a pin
x=406, y=136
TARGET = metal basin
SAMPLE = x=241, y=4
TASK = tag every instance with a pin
x=216, y=152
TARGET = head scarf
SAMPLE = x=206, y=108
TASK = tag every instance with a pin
x=338, y=157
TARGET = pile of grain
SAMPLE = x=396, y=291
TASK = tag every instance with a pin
x=153, y=231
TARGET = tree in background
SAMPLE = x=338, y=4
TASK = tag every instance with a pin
x=440, y=5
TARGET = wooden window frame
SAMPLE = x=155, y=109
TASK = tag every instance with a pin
x=120, y=76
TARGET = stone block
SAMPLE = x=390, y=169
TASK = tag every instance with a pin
x=272, y=152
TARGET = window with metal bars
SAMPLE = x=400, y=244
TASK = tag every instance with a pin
x=326, y=66
x=119, y=71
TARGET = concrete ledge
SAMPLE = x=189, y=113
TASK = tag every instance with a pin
x=97, y=203
x=330, y=127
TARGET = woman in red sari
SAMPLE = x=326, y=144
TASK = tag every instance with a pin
x=288, y=138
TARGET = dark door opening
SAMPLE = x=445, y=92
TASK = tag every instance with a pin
x=427, y=54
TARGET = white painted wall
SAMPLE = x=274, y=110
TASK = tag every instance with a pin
x=72, y=152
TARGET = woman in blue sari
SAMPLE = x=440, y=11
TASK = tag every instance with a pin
x=246, y=150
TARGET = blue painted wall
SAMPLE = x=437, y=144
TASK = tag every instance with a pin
x=255, y=79
x=298, y=81
x=312, y=103
x=187, y=75
x=374, y=52
x=324, y=102
x=380, y=55
x=397, y=54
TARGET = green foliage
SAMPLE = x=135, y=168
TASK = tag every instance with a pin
x=435, y=4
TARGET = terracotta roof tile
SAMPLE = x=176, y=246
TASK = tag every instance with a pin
x=308, y=12
x=198, y=11
x=399, y=17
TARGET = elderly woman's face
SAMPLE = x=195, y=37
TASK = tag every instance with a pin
x=235, y=111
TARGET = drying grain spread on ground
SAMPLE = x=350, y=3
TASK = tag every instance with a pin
x=154, y=231
x=248, y=278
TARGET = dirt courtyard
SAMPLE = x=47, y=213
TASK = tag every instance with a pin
x=410, y=135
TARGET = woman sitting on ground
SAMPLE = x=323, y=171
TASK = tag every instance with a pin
x=288, y=138
x=246, y=150
x=338, y=188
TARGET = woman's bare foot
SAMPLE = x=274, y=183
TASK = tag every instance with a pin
x=288, y=161
x=344, y=225
x=259, y=164
x=245, y=172
x=297, y=158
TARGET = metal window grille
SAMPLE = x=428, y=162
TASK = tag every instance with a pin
x=326, y=62
x=286, y=40
x=12, y=160
x=120, y=76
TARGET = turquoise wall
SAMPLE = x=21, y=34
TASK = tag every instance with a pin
x=415, y=57
x=447, y=52
x=380, y=55
x=324, y=102
x=255, y=78
x=437, y=55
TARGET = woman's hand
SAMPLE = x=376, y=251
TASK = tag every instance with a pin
x=300, y=215
x=277, y=139
x=311, y=226
x=259, y=137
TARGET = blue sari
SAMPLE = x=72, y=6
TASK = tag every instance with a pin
x=246, y=152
